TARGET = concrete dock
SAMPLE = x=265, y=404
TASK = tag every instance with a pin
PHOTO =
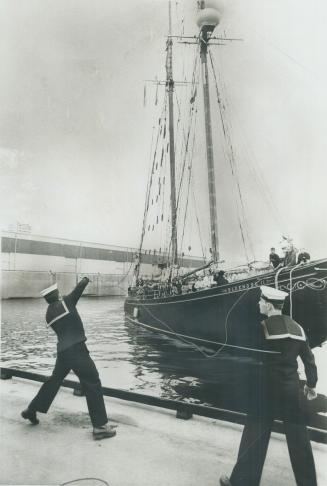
x=152, y=447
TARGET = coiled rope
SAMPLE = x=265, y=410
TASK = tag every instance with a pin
x=291, y=288
x=102, y=481
x=291, y=285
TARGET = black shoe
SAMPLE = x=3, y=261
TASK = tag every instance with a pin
x=104, y=432
x=30, y=415
x=224, y=481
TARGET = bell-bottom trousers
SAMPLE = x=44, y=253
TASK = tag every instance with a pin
x=76, y=358
x=253, y=450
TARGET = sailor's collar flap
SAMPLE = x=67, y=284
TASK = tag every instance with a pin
x=56, y=311
x=281, y=327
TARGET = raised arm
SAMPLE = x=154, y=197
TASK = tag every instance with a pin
x=74, y=296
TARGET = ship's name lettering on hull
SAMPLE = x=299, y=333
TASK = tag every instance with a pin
x=249, y=285
x=241, y=287
x=313, y=284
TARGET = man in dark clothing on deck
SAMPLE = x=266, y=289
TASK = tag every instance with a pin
x=219, y=278
x=276, y=395
x=274, y=258
x=303, y=257
x=72, y=354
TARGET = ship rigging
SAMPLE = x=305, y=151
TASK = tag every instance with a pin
x=224, y=316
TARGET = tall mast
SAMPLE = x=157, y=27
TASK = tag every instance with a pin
x=170, y=88
x=208, y=18
x=209, y=146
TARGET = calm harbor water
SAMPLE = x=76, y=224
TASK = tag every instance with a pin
x=129, y=358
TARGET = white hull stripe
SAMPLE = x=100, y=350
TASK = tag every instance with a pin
x=141, y=302
x=60, y=316
x=185, y=336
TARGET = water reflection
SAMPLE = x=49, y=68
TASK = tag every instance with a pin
x=187, y=374
x=25, y=340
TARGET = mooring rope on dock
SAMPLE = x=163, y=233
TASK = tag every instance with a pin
x=102, y=481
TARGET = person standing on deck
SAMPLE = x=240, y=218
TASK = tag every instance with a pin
x=72, y=354
x=303, y=257
x=290, y=255
x=220, y=279
x=276, y=395
x=274, y=259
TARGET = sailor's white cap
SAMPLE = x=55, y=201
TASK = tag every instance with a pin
x=49, y=290
x=272, y=295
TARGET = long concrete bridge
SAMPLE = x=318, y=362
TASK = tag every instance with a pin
x=31, y=262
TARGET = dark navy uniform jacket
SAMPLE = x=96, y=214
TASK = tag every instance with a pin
x=276, y=389
x=65, y=320
x=286, y=336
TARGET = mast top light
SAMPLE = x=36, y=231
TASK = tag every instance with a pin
x=209, y=13
x=216, y=4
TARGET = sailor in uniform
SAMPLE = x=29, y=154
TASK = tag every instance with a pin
x=72, y=354
x=276, y=395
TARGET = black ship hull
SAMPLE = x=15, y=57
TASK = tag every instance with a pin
x=228, y=316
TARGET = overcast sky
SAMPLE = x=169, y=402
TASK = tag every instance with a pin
x=75, y=136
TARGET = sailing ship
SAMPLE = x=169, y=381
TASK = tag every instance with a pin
x=223, y=316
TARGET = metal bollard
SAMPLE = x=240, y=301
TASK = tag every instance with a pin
x=5, y=374
x=78, y=392
x=183, y=414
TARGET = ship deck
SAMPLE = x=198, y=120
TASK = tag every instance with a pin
x=152, y=447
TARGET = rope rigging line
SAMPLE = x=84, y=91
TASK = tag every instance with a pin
x=164, y=226
x=197, y=220
x=263, y=187
x=185, y=144
x=146, y=203
x=288, y=56
x=196, y=82
x=191, y=343
x=182, y=156
x=228, y=127
x=187, y=137
x=186, y=208
x=190, y=167
x=148, y=193
x=193, y=118
x=190, y=118
x=243, y=212
x=282, y=223
x=254, y=166
x=235, y=199
x=243, y=226
x=160, y=186
x=126, y=274
x=180, y=19
x=238, y=209
x=178, y=125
